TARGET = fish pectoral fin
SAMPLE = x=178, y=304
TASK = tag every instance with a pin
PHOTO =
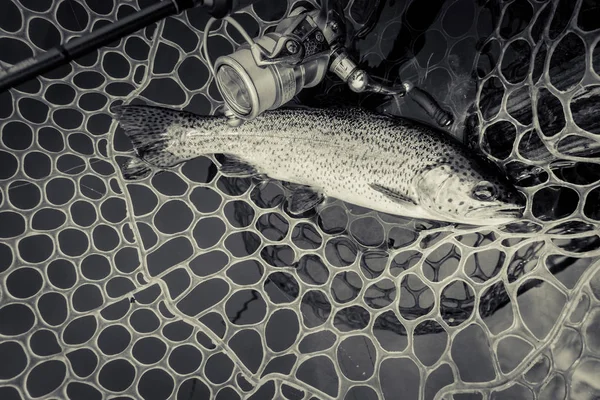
x=303, y=198
x=392, y=195
x=233, y=166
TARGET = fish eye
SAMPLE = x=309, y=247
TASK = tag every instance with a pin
x=485, y=191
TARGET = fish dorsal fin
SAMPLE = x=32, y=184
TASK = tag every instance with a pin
x=393, y=195
x=233, y=166
x=295, y=105
x=303, y=198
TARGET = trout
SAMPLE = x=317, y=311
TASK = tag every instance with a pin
x=387, y=164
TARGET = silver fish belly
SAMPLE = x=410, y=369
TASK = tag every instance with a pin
x=374, y=161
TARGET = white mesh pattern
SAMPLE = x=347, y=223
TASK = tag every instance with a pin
x=190, y=284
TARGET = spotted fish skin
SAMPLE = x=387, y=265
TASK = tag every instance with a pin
x=386, y=164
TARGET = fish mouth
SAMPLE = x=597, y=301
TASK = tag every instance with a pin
x=503, y=211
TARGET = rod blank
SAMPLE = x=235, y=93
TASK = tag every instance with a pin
x=65, y=53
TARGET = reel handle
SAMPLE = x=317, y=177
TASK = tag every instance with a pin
x=426, y=101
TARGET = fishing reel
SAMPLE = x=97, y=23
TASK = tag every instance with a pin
x=266, y=72
x=263, y=74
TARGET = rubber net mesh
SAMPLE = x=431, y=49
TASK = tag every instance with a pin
x=194, y=285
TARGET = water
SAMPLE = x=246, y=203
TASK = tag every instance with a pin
x=191, y=284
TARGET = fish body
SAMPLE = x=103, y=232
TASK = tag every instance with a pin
x=386, y=164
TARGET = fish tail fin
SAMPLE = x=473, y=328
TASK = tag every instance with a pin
x=152, y=130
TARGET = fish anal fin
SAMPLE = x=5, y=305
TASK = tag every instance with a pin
x=303, y=198
x=135, y=169
x=233, y=166
x=393, y=195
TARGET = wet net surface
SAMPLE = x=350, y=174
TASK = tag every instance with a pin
x=193, y=285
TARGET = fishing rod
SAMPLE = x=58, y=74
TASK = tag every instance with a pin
x=263, y=74
x=81, y=46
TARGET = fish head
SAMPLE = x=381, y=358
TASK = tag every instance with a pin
x=470, y=195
